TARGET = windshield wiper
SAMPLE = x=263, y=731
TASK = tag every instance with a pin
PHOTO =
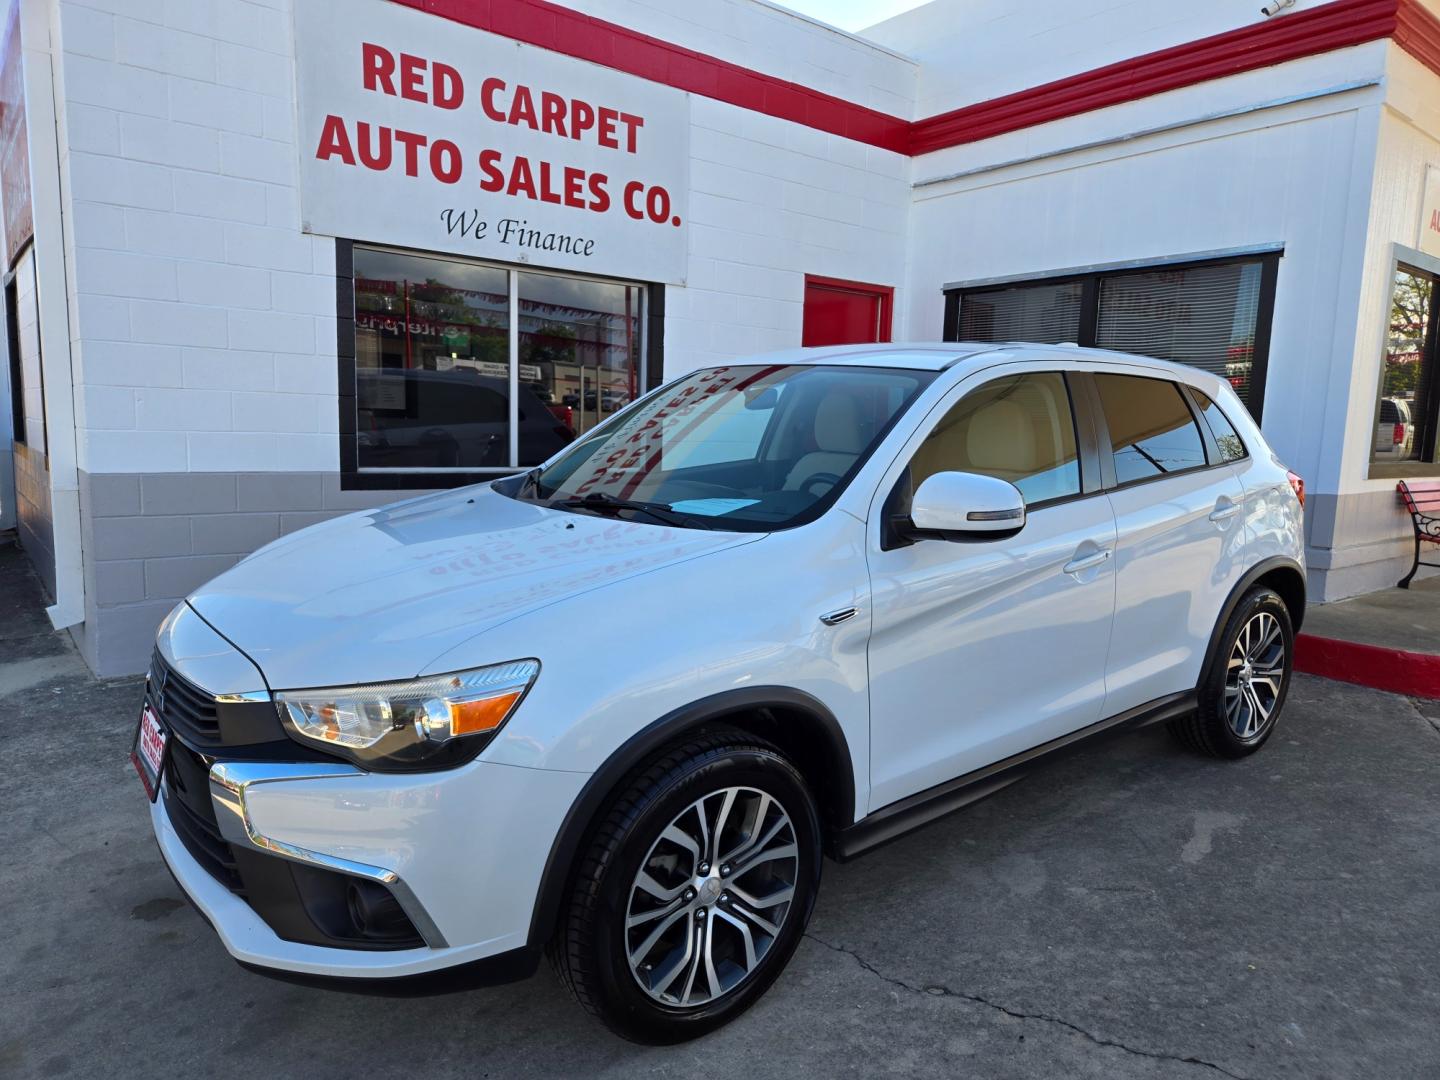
x=601, y=503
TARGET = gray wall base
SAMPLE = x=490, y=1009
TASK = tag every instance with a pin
x=151, y=539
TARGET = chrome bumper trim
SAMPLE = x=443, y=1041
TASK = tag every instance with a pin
x=229, y=783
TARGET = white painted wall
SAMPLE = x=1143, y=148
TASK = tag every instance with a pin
x=776, y=41
x=204, y=318
x=1409, y=143
x=975, y=50
x=1369, y=542
x=1297, y=174
x=771, y=202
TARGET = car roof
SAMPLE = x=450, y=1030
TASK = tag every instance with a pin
x=944, y=355
x=920, y=356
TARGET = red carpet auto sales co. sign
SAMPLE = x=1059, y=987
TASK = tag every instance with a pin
x=419, y=132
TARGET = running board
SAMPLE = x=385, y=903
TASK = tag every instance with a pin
x=899, y=818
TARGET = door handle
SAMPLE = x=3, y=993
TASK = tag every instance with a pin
x=1226, y=512
x=1085, y=562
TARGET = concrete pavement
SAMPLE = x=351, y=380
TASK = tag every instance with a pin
x=1133, y=911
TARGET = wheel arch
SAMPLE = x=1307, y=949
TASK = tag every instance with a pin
x=797, y=723
x=1282, y=574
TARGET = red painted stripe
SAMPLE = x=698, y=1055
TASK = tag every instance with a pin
x=1322, y=29
x=1395, y=670
x=564, y=30
x=1275, y=41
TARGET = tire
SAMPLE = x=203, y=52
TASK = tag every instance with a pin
x=1236, y=715
x=660, y=999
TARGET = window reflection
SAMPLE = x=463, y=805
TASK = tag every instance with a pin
x=432, y=361
x=579, y=348
x=1407, y=376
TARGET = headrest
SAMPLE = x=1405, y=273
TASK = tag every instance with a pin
x=837, y=425
x=1001, y=436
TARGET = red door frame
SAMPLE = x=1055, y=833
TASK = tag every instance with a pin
x=885, y=294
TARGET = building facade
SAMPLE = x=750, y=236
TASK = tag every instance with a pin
x=268, y=264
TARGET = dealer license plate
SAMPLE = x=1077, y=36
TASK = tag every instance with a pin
x=148, y=753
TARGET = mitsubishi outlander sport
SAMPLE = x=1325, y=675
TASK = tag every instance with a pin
x=618, y=707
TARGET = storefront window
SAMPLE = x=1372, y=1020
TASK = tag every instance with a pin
x=579, y=350
x=1402, y=426
x=1203, y=316
x=1210, y=315
x=436, y=357
x=1048, y=314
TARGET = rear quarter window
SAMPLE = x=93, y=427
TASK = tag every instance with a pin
x=1227, y=439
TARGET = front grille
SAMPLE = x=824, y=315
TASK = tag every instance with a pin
x=187, y=801
x=184, y=708
x=205, y=844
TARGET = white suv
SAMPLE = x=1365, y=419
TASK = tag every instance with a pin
x=618, y=706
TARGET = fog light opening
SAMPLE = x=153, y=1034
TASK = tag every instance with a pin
x=375, y=912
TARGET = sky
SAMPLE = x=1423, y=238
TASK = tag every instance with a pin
x=850, y=15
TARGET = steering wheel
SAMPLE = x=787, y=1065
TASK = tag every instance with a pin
x=829, y=479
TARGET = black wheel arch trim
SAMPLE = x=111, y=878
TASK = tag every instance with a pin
x=716, y=708
x=1246, y=583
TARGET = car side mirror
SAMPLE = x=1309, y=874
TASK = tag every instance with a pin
x=966, y=506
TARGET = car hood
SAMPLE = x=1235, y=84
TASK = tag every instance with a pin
x=379, y=595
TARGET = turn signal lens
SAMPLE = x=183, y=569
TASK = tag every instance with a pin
x=1298, y=486
x=487, y=714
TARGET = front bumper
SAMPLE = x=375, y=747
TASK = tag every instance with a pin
x=463, y=851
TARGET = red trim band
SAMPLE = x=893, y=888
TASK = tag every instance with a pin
x=573, y=33
x=1395, y=670
x=1335, y=25
x=1275, y=41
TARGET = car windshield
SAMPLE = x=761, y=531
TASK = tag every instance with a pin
x=748, y=448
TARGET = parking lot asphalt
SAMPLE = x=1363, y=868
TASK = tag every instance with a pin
x=1131, y=911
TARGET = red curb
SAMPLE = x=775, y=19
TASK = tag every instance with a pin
x=1395, y=670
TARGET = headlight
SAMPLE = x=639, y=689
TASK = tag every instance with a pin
x=427, y=723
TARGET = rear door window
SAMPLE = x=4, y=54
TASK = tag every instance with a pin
x=1152, y=431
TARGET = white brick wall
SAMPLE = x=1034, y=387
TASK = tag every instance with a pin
x=191, y=276
x=204, y=318
x=769, y=203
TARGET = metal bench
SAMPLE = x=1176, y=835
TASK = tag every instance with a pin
x=1422, y=500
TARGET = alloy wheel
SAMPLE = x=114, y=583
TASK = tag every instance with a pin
x=711, y=896
x=1254, y=675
